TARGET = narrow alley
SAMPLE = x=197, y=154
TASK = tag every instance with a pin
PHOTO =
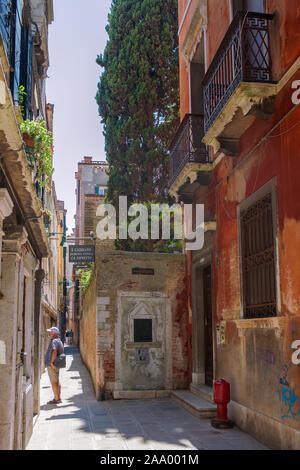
x=149, y=222
x=82, y=423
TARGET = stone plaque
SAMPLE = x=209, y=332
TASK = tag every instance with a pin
x=142, y=355
x=143, y=271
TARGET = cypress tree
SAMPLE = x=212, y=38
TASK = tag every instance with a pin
x=138, y=96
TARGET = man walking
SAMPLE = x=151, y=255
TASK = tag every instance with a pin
x=55, y=348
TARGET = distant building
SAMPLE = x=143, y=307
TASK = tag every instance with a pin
x=91, y=179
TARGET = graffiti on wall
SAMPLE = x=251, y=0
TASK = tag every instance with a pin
x=289, y=401
x=268, y=357
x=283, y=379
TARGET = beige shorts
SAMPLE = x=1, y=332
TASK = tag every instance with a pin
x=53, y=375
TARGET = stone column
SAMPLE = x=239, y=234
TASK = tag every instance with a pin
x=9, y=304
x=39, y=276
x=6, y=208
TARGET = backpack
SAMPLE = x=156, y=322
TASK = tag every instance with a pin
x=60, y=361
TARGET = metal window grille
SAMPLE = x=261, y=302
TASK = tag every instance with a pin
x=258, y=260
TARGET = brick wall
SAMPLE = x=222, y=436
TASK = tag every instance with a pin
x=88, y=330
x=92, y=201
x=166, y=288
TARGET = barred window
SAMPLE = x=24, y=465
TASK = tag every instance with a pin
x=258, y=260
x=142, y=330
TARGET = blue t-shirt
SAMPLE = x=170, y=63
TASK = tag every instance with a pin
x=56, y=344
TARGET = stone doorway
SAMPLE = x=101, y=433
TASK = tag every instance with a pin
x=202, y=316
x=207, y=311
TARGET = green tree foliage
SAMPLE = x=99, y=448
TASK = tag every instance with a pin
x=138, y=96
x=159, y=245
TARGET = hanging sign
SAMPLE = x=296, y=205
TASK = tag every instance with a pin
x=82, y=253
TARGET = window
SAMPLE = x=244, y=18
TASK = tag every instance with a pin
x=11, y=29
x=258, y=259
x=78, y=193
x=142, y=330
x=100, y=191
x=256, y=6
x=16, y=49
x=5, y=23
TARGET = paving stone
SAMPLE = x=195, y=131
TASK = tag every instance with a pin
x=110, y=444
x=138, y=443
x=82, y=443
x=83, y=423
x=215, y=444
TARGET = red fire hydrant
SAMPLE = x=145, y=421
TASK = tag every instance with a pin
x=222, y=398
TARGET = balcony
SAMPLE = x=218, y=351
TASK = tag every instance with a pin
x=238, y=86
x=189, y=158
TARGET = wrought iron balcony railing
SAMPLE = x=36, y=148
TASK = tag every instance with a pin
x=187, y=146
x=243, y=56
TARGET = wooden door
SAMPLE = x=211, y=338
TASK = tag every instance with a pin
x=208, y=329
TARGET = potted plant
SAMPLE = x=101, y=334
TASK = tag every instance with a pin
x=47, y=217
x=39, y=140
x=28, y=140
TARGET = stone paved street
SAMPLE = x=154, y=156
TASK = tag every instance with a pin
x=82, y=423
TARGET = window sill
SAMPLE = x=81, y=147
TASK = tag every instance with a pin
x=129, y=346
x=276, y=323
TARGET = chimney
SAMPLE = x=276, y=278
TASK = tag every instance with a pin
x=88, y=159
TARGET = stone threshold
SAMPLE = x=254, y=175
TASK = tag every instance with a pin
x=140, y=394
x=196, y=405
x=203, y=391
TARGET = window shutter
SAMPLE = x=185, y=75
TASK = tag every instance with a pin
x=26, y=70
x=15, y=59
x=5, y=23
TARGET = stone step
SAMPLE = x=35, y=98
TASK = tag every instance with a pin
x=203, y=391
x=140, y=394
x=194, y=404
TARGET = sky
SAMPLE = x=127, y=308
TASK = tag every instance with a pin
x=76, y=37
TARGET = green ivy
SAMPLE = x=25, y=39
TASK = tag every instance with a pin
x=85, y=276
x=42, y=152
x=22, y=93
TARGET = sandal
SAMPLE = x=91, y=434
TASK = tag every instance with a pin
x=52, y=402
